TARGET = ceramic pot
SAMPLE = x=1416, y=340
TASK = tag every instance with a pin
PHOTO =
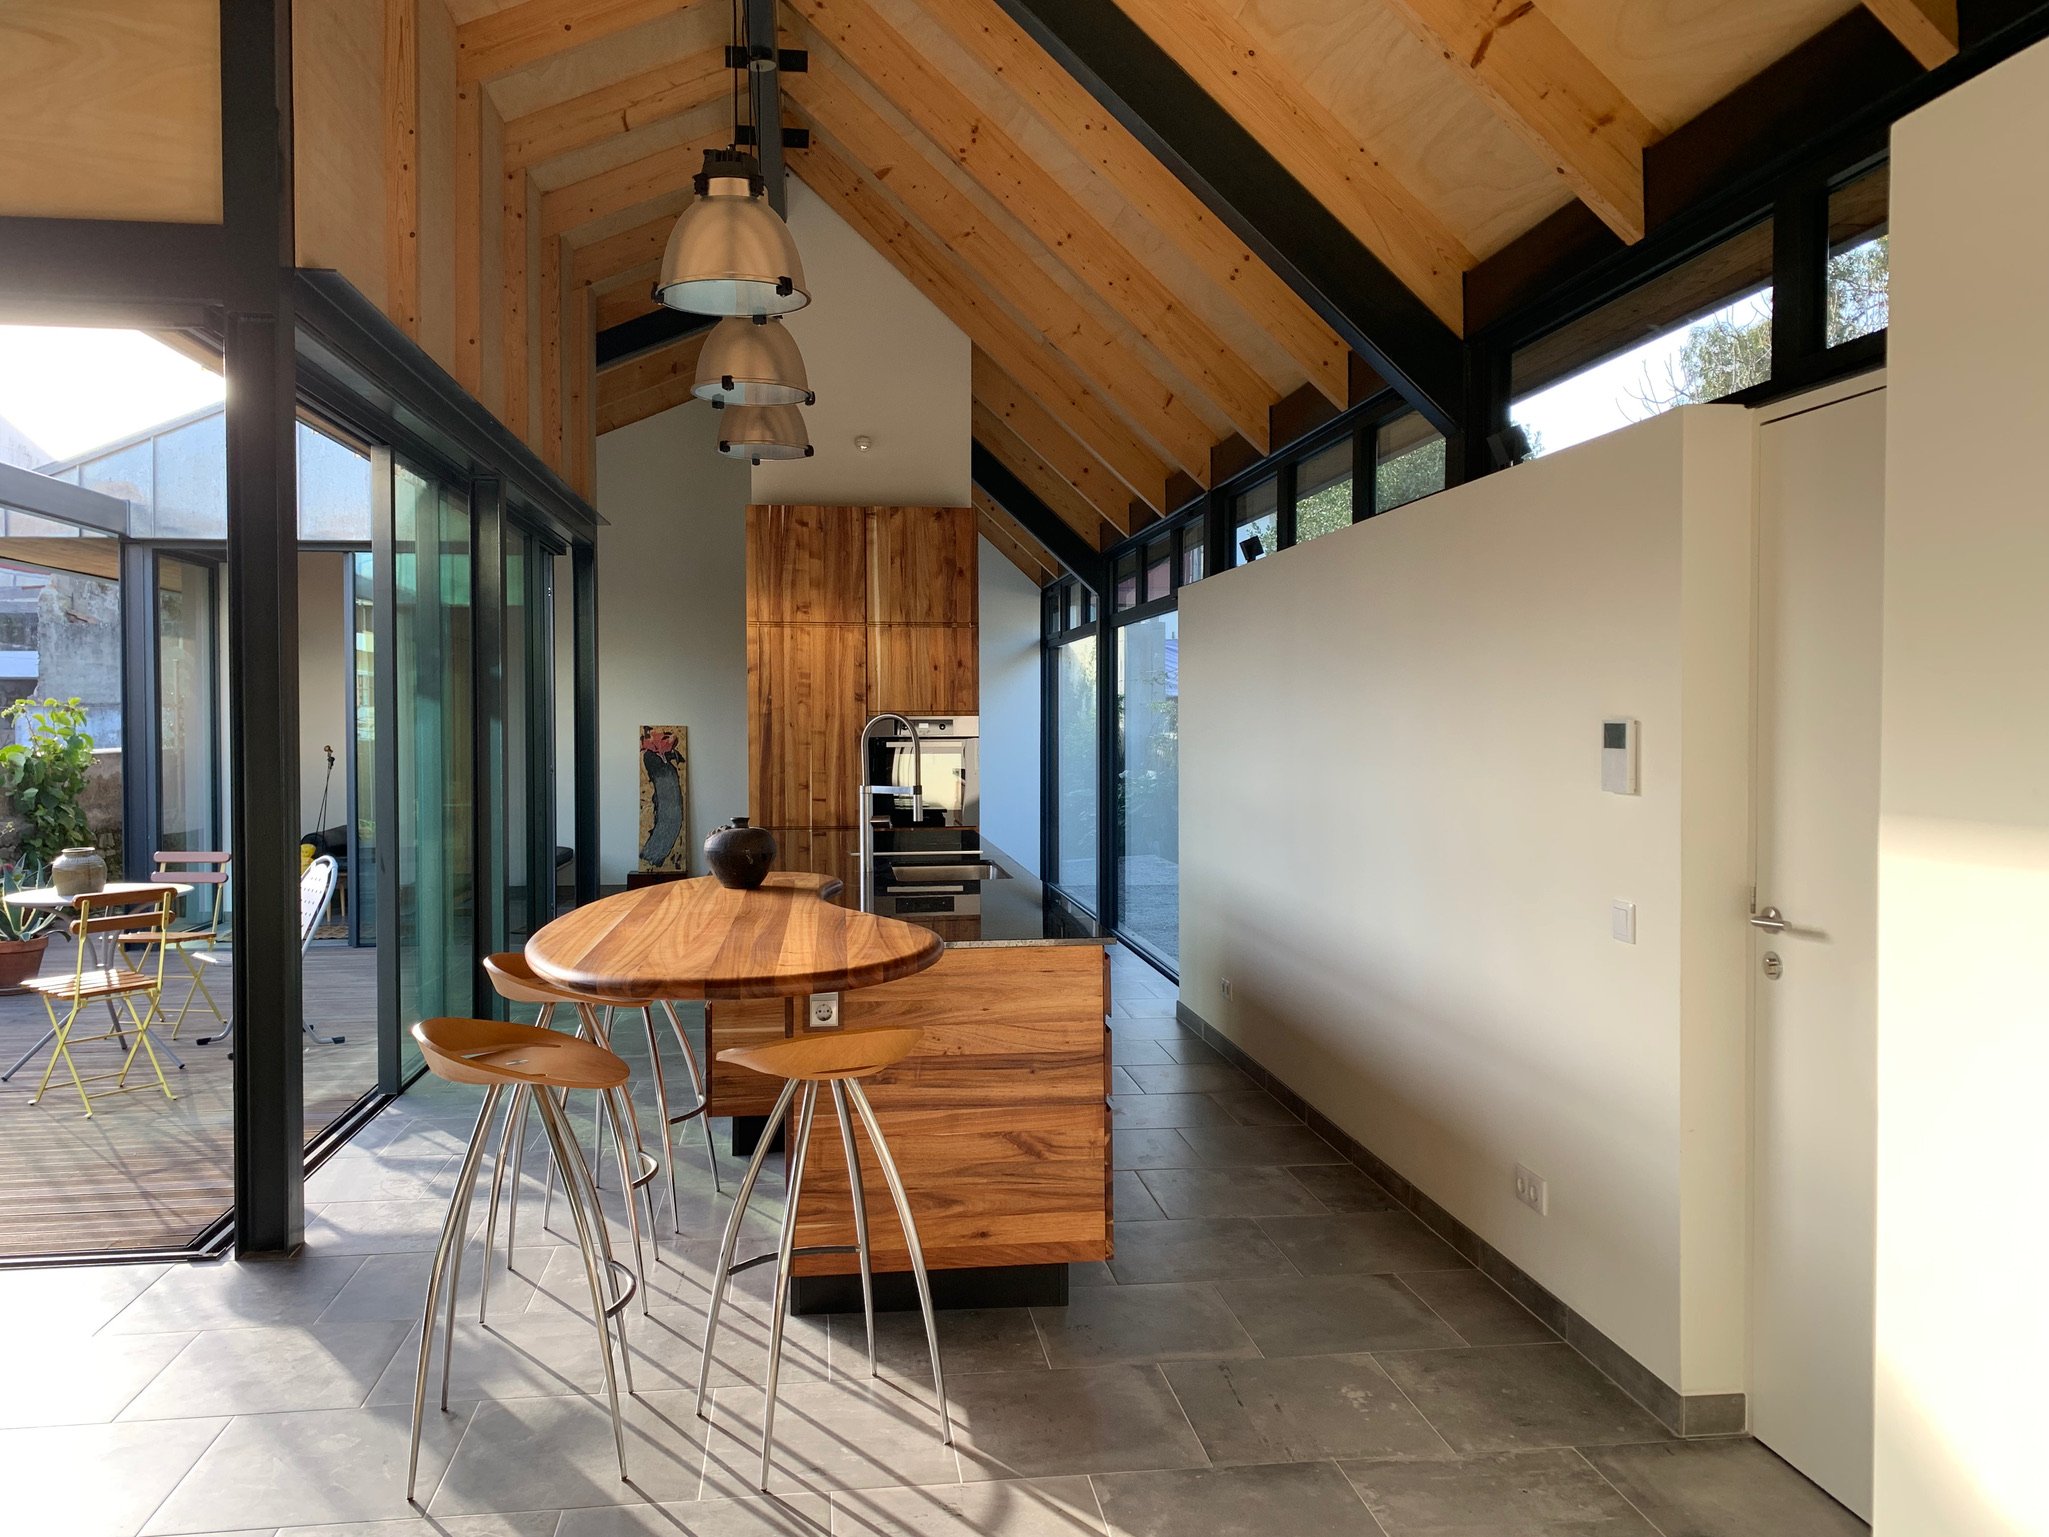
x=20, y=959
x=739, y=855
x=78, y=872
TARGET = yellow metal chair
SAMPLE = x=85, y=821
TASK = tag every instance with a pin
x=191, y=867
x=121, y=916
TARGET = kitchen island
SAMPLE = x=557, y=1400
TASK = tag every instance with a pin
x=999, y=1120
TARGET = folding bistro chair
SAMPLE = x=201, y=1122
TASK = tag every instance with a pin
x=316, y=896
x=120, y=914
x=192, y=867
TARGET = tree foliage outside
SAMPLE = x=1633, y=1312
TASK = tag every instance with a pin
x=44, y=776
x=1722, y=354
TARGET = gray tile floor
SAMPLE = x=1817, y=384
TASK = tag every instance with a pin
x=1275, y=1348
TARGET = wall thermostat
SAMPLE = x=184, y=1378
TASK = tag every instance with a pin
x=1618, y=757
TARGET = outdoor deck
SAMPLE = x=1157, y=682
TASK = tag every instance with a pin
x=146, y=1172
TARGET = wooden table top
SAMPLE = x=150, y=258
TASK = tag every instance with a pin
x=698, y=939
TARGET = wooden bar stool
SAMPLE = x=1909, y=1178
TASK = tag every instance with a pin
x=514, y=981
x=839, y=1060
x=533, y=1064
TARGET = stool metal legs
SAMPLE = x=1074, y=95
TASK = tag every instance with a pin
x=612, y=1286
x=845, y=1094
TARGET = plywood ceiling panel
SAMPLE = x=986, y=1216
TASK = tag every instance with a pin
x=1428, y=126
x=710, y=120
x=1674, y=58
x=608, y=60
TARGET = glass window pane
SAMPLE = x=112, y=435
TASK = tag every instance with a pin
x=1127, y=579
x=1159, y=567
x=334, y=489
x=1256, y=523
x=192, y=479
x=1408, y=462
x=1700, y=332
x=1192, y=553
x=1074, y=806
x=1323, y=492
x=1148, y=801
x=124, y=473
x=1859, y=257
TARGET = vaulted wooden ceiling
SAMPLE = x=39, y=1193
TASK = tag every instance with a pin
x=1122, y=331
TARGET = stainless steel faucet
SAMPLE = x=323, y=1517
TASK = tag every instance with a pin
x=915, y=790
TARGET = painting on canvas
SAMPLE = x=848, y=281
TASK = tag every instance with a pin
x=664, y=799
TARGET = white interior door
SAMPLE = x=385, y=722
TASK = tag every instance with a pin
x=1821, y=502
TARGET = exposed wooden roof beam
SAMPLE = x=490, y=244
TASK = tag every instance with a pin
x=653, y=382
x=1003, y=48
x=1928, y=28
x=1003, y=487
x=1036, y=198
x=618, y=305
x=1542, y=86
x=668, y=90
x=1018, y=547
x=1313, y=203
x=1030, y=359
x=1005, y=268
x=645, y=180
x=606, y=258
x=1007, y=401
x=529, y=32
x=1093, y=523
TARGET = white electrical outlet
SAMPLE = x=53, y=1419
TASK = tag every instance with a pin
x=1532, y=1191
x=1224, y=986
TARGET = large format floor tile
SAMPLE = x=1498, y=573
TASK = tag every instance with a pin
x=970, y=1340
x=1300, y=1409
x=783, y=1515
x=1044, y=1507
x=1513, y=1397
x=1125, y=1325
x=1169, y=1110
x=73, y=1301
x=828, y=1435
x=102, y=1480
x=1341, y=1187
x=1040, y=1424
x=1733, y=1488
x=1241, y=1147
x=559, y=1454
x=54, y=1379
x=1334, y=1315
x=1197, y=1249
x=1516, y=1494
x=1228, y=1192
x=269, y=1371
x=1360, y=1243
x=232, y=1294
x=1189, y=1078
x=533, y=1523
x=1482, y=1312
x=1235, y=1502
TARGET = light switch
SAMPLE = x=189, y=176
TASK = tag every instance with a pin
x=1622, y=921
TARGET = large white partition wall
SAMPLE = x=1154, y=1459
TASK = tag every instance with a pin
x=1397, y=851
x=1963, y=1335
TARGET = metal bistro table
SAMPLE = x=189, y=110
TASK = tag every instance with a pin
x=49, y=899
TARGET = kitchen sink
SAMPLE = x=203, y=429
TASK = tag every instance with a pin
x=924, y=873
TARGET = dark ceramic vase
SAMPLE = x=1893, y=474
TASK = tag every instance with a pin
x=739, y=855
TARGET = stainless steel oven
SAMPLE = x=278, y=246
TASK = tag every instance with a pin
x=945, y=760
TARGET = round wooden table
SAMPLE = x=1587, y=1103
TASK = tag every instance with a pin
x=698, y=939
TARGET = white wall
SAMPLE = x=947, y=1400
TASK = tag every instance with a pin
x=1010, y=629
x=1395, y=844
x=672, y=629
x=324, y=648
x=1962, y=1333
x=884, y=364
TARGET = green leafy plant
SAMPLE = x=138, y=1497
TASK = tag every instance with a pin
x=45, y=775
x=24, y=923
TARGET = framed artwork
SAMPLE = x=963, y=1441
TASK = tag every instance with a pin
x=664, y=798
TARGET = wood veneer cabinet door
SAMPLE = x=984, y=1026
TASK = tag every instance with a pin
x=806, y=692
x=924, y=669
x=807, y=565
x=921, y=565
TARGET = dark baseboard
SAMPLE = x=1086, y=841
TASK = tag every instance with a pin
x=993, y=1286
x=1702, y=1414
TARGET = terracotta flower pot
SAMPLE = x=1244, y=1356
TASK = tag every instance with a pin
x=20, y=959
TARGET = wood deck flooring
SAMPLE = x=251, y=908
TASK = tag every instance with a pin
x=144, y=1171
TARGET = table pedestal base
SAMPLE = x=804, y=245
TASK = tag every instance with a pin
x=993, y=1286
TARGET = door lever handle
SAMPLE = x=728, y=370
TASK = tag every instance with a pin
x=1771, y=920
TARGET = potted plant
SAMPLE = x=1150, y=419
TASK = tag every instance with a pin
x=24, y=931
x=45, y=776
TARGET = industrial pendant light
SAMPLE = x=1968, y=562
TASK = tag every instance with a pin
x=763, y=432
x=729, y=253
x=751, y=362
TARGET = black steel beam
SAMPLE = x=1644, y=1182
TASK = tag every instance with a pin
x=487, y=726
x=54, y=263
x=643, y=333
x=263, y=623
x=583, y=566
x=384, y=847
x=1039, y=520
x=765, y=96
x=141, y=767
x=1218, y=159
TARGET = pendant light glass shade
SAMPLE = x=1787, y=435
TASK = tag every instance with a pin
x=751, y=363
x=730, y=254
x=763, y=432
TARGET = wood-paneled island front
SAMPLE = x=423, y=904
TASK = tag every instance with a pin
x=999, y=1122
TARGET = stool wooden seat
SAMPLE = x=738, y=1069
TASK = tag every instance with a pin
x=837, y=1060
x=533, y=1064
